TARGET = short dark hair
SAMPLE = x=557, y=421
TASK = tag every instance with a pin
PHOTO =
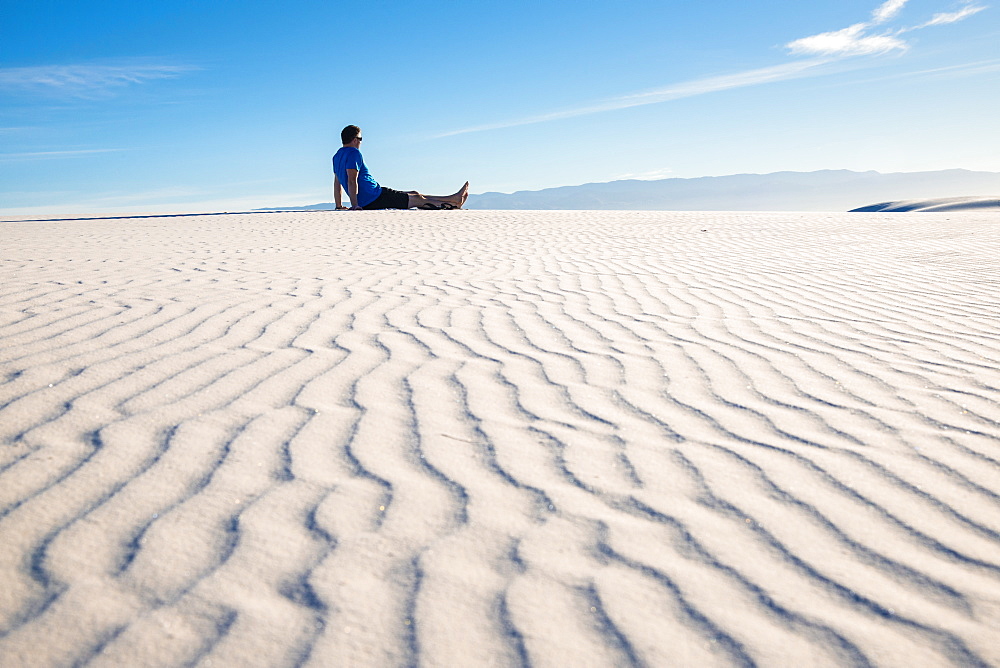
x=348, y=134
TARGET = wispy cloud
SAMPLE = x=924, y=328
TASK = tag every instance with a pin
x=888, y=10
x=42, y=155
x=851, y=41
x=952, y=17
x=85, y=79
x=673, y=92
x=950, y=72
x=866, y=38
x=860, y=40
x=962, y=70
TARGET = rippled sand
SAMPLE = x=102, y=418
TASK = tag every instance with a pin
x=501, y=438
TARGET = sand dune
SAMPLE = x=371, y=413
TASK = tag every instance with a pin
x=940, y=204
x=500, y=438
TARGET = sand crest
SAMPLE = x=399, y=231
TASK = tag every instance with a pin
x=941, y=204
x=500, y=438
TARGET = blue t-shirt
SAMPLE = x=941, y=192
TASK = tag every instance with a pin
x=349, y=157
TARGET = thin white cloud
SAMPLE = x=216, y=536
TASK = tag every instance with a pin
x=856, y=40
x=756, y=77
x=888, y=10
x=41, y=155
x=851, y=41
x=723, y=82
x=84, y=79
x=963, y=70
x=945, y=18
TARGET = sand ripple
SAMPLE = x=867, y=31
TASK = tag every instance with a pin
x=500, y=438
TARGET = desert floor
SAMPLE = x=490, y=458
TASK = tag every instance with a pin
x=479, y=438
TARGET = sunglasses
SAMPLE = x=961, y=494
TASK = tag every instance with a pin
x=360, y=138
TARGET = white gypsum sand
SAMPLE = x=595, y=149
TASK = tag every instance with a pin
x=500, y=438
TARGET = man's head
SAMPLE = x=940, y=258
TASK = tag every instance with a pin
x=349, y=134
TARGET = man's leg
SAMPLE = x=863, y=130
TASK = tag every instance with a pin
x=457, y=200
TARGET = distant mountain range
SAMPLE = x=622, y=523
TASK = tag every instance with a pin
x=827, y=190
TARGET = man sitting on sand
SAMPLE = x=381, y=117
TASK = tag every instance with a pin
x=365, y=193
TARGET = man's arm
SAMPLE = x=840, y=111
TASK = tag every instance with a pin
x=337, y=193
x=352, y=188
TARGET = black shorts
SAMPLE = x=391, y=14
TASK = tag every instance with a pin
x=389, y=199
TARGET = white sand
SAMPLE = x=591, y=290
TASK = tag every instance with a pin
x=483, y=438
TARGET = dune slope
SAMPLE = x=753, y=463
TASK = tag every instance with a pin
x=940, y=204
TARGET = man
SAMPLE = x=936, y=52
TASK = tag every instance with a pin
x=349, y=171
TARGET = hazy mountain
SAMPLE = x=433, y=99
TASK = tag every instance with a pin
x=827, y=190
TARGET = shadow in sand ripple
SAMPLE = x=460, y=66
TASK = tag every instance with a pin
x=949, y=645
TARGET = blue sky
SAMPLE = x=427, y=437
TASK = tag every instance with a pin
x=116, y=106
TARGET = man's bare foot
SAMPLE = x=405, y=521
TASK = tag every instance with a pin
x=460, y=196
